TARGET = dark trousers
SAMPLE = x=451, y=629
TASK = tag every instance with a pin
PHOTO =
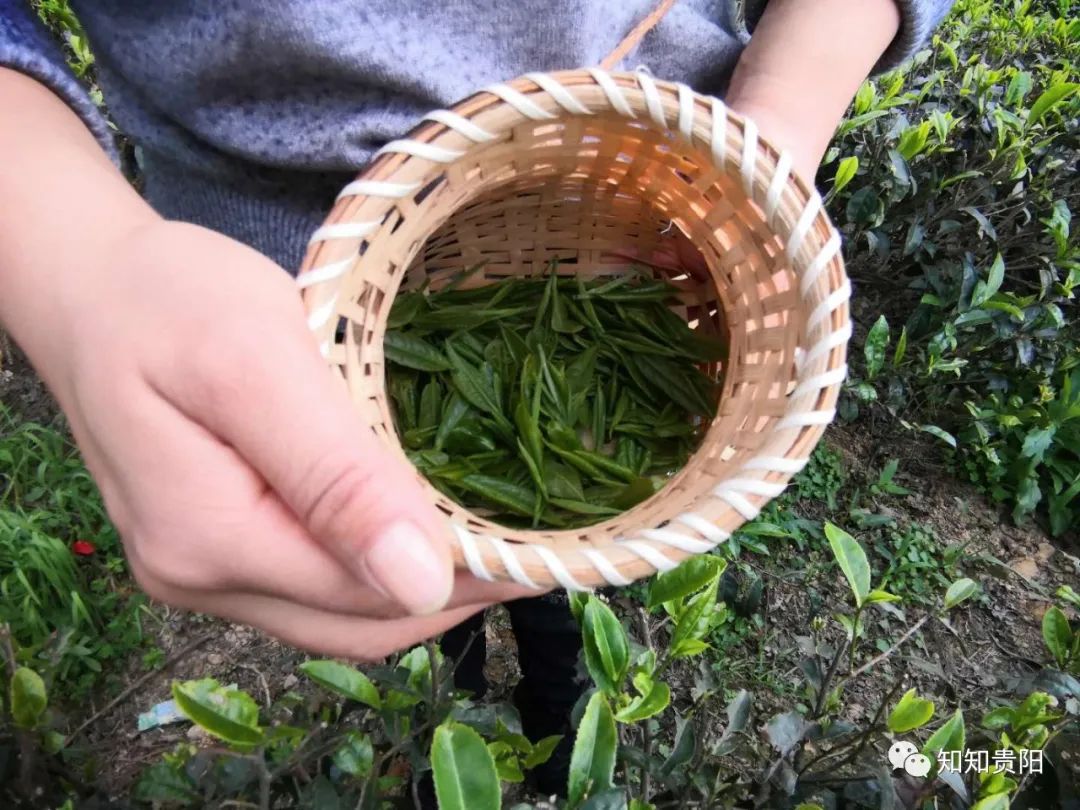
x=548, y=641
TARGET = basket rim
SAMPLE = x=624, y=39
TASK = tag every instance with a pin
x=791, y=209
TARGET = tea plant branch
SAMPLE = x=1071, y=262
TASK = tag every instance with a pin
x=830, y=673
x=392, y=751
x=262, y=681
x=877, y=659
x=259, y=759
x=22, y=736
x=823, y=779
x=421, y=730
x=646, y=734
x=861, y=739
x=294, y=761
x=134, y=686
x=865, y=738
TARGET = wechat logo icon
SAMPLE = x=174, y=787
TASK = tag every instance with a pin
x=905, y=755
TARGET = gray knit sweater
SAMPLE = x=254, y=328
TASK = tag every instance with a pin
x=249, y=116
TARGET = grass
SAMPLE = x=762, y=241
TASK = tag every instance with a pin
x=68, y=614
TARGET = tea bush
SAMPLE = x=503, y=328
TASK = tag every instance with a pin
x=954, y=179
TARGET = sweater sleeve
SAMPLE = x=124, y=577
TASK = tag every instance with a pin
x=918, y=19
x=27, y=46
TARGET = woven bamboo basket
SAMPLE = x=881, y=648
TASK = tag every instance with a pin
x=584, y=166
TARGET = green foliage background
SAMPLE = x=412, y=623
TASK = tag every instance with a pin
x=954, y=179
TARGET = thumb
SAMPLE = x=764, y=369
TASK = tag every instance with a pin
x=282, y=410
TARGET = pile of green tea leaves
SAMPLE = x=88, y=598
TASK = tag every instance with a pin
x=548, y=402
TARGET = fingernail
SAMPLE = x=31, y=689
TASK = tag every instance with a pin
x=407, y=566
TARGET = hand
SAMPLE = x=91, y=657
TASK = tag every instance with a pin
x=805, y=60
x=233, y=463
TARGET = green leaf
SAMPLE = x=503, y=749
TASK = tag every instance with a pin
x=913, y=140
x=355, y=756
x=1057, y=635
x=413, y=352
x=960, y=591
x=430, y=405
x=162, y=782
x=864, y=206
x=998, y=801
x=578, y=600
x=225, y=712
x=878, y=595
x=687, y=743
x=738, y=712
x=507, y=768
x=28, y=697
x=787, y=730
x=1068, y=594
x=693, y=622
x=852, y=559
x=985, y=227
x=910, y=713
x=607, y=650
x=344, y=680
x=945, y=436
x=864, y=97
x=691, y=575
x=406, y=307
x=984, y=291
x=517, y=499
x=592, y=763
x=645, y=706
x=877, y=341
x=1019, y=86
x=464, y=770
x=1051, y=97
x=1037, y=442
x=901, y=348
x=475, y=386
x=948, y=737
x=456, y=411
x=541, y=752
x=584, y=507
x=845, y=171
x=462, y=317
x=688, y=647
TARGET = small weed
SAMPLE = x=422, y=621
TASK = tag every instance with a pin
x=822, y=478
x=916, y=566
x=153, y=658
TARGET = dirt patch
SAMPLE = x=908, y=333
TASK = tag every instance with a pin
x=21, y=391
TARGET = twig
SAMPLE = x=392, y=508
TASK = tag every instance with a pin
x=877, y=659
x=259, y=759
x=885, y=701
x=416, y=792
x=819, y=704
x=840, y=779
x=137, y=683
x=646, y=735
x=262, y=682
x=391, y=752
x=25, y=742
